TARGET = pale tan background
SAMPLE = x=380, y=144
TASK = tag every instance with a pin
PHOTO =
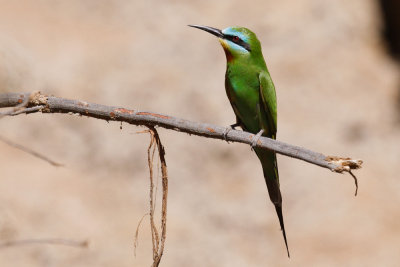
x=335, y=86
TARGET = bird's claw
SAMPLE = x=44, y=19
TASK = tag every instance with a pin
x=228, y=129
x=233, y=126
x=256, y=138
x=225, y=133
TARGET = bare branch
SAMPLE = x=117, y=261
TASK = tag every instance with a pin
x=30, y=151
x=21, y=107
x=52, y=104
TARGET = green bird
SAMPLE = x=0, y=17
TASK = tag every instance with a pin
x=251, y=93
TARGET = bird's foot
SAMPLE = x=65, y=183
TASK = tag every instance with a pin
x=256, y=138
x=233, y=126
x=228, y=129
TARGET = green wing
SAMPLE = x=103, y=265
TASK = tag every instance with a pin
x=267, y=107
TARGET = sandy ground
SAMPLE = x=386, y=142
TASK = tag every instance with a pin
x=336, y=90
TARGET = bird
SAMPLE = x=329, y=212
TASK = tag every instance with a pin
x=251, y=93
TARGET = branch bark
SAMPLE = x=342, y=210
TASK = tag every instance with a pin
x=37, y=102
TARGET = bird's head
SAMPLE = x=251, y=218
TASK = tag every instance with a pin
x=238, y=42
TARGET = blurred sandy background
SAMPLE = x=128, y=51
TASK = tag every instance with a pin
x=336, y=88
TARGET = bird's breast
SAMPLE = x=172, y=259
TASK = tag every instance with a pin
x=243, y=93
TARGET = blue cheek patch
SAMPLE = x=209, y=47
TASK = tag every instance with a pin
x=237, y=47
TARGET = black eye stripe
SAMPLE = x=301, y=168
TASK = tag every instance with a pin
x=236, y=39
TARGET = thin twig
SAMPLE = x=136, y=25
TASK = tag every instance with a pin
x=30, y=151
x=157, y=182
x=355, y=181
x=136, y=239
x=164, y=172
x=158, y=245
x=154, y=232
x=48, y=241
x=20, y=111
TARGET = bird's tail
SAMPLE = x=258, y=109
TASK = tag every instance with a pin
x=271, y=175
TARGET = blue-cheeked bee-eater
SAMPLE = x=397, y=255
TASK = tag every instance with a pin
x=251, y=93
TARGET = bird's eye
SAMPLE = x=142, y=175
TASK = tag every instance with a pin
x=235, y=39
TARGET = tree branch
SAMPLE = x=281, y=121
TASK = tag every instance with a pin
x=37, y=102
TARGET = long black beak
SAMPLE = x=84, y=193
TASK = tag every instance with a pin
x=211, y=30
